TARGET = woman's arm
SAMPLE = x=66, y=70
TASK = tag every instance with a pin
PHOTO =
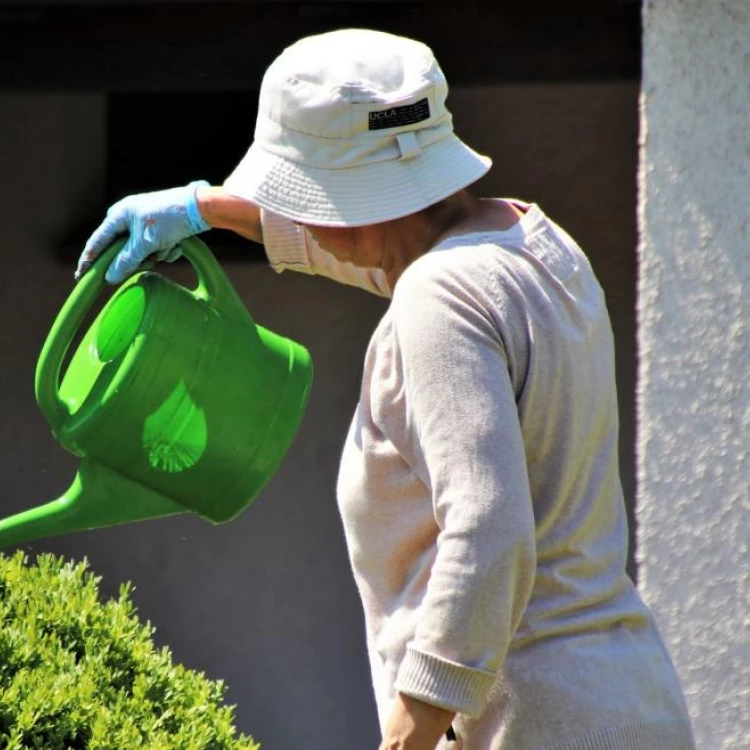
x=465, y=442
x=221, y=210
x=288, y=246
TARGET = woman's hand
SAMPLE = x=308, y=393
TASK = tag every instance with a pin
x=415, y=725
x=156, y=223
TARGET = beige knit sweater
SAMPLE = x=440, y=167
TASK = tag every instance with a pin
x=481, y=499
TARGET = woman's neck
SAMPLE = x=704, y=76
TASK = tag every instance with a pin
x=461, y=213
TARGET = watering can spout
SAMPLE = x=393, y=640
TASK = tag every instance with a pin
x=98, y=497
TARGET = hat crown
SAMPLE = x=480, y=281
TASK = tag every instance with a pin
x=352, y=129
x=352, y=83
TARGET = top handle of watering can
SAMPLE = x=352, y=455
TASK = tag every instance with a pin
x=213, y=287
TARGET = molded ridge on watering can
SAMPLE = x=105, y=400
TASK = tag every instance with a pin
x=175, y=399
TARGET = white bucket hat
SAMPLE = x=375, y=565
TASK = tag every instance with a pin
x=352, y=129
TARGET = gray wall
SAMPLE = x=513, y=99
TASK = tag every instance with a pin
x=694, y=398
x=266, y=602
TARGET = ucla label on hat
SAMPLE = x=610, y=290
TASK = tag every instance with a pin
x=398, y=117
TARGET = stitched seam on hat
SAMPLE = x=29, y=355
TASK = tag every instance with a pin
x=316, y=168
x=429, y=62
x=358, y=137
x=348, y=87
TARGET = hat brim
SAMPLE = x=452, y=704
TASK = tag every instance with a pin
x=356, y=196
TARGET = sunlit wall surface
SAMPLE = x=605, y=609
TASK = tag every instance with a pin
x=694, y=336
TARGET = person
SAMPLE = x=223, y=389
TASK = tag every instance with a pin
x=479, y=486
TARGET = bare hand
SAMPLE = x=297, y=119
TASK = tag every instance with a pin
x=415, y=725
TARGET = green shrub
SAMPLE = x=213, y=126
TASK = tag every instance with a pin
x=76, y=673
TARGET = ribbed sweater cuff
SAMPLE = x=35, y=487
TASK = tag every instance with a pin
x=284, y=243
x=444, y=683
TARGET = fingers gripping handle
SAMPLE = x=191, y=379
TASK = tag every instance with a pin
x=213, y=286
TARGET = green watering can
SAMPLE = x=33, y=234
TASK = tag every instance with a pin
x=175, y=400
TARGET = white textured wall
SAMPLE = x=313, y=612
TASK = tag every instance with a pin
x=694, y=323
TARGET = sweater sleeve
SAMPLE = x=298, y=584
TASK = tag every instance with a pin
x=290, y=247
x=467, y=447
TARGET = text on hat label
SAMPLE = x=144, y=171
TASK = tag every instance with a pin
x=396, y=117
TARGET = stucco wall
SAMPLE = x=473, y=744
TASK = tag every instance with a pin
x=694, y=340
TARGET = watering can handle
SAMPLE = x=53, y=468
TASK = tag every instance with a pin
x=70, y=317
x=213, y=286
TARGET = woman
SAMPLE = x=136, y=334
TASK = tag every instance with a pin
x=479, y=484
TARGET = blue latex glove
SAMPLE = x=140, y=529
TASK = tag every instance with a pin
x=156, y=222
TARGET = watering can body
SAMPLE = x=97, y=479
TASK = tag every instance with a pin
x=175, y=400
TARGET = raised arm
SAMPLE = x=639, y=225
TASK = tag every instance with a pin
x=158, y=221
x=220, y=210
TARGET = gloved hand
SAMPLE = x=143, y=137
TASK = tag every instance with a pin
x=156, y=222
